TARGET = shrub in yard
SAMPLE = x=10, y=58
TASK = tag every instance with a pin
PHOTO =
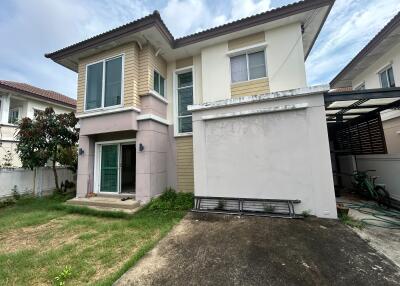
x=171, y=200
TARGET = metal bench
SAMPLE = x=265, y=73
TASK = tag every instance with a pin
x=246, y=206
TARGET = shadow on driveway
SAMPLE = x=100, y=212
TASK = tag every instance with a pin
x=228, y=250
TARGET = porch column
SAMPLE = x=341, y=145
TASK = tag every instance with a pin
x=5, y=108
x=151, y=161
x=84, y=184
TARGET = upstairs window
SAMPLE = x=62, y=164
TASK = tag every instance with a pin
x=248, y=66
x=159, y=84
x=184, y=92
x=387, y=78
x=104, y=84
x=13, y=116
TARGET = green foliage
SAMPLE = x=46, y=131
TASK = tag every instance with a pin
x=348, y=220
x=171, y=200
x=8, y=160
x=61, y=278
x=49, y=137
x=92, y=212
x=306, y=213
x=69, y=157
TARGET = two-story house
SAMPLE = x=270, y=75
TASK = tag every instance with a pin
x=136, y=82
x=376, y=66
x=19, y=100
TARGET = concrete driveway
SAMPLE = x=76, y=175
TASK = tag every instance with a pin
x=228, y=250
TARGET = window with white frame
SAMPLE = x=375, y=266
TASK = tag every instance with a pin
x=13, y=116
x=248, y=66
x=104, y=83
x=36, y=112
x=159, y=83
x=184, y=93
x=387, y=78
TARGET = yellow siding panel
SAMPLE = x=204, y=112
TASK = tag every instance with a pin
x=184, y=62
x=252, y=87
x=246, y=41
x=184, y=164
x=131, y=62
x=148, y=62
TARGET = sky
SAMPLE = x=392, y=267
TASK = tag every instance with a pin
x=31, y=28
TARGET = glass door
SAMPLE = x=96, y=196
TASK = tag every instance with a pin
x=109, y=169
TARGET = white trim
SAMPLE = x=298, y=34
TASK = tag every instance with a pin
x=106, y=111
x=305, y=91
x=165, y=83
x=158, y=96
x=278, y=108
x=252, y=48
x=152, y=117
x=97, y=163
x=384, y=67
x=385, y=70
x=175, y=96
x=359, y=85
x=122, y=56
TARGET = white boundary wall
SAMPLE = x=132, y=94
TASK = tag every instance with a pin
x=272, y=146
x=27, y=183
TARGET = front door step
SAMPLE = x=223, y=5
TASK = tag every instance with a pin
x=105, y=203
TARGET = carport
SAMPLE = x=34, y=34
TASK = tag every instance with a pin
x=355, y=125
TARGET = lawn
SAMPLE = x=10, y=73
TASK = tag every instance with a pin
x=40, y=237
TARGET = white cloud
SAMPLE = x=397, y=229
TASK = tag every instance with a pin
x=350, y=26
x=187, y=16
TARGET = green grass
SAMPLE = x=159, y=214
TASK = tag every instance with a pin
x=348, y=220
x=39, y=238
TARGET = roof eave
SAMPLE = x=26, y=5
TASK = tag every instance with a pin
x=393, y=24
x=38, y=96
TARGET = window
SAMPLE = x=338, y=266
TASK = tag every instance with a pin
x=13, y=116
x=36, y=112
x=387, y=78
x=184, y=98
x=248, y=66
x=104, y=84
x=159, y=83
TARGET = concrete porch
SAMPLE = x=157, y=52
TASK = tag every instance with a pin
x=107, y=203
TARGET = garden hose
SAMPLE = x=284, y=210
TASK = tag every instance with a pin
x=384, y=218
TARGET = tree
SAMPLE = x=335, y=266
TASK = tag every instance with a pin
x=47, y=138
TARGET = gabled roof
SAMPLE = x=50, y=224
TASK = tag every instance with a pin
x=154, y=21
x=38, y=93
x=386, y=39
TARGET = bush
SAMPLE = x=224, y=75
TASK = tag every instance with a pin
x=171, y=200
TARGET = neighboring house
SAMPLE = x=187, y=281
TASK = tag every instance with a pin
x=377, y=65
x=136, y=83
x=19, y=100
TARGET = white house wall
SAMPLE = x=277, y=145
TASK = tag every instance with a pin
x=370, y=75
x=272, y=155
x=285, y=58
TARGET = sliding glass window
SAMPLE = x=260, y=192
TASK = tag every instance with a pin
x=104, y=84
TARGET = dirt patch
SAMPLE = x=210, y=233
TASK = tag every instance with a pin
x=35, y=237
x=227, y=250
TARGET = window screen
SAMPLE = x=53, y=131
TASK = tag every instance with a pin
x=257, y=65
x=239, y=68
x=248, y=66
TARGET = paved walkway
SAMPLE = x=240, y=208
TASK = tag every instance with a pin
x=228, y=250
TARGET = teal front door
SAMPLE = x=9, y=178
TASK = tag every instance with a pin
x=109, y=168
